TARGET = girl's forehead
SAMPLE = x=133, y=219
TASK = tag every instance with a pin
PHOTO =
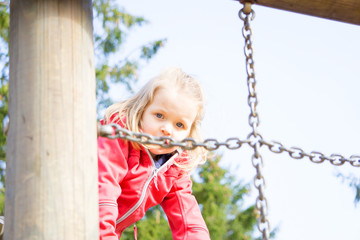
x=173, y=90
x=175, y=101
x=175, y=94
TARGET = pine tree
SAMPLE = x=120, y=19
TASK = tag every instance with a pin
x=221, y=199
x=153, y=226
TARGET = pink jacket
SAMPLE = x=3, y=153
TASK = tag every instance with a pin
x=130, y=184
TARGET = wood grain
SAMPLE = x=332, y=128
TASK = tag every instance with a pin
x=347, y=11
x=51, y=187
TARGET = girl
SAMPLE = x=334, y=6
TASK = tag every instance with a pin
x=134, y=178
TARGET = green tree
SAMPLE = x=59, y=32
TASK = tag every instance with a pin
x=221, y=200
x=154, y=226
x=353, y=182
x=112, y=24
x=4, y=77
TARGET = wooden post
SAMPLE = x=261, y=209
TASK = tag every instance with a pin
x=339, y=10
x=51, y=185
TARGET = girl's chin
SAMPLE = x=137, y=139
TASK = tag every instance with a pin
x=160, y=151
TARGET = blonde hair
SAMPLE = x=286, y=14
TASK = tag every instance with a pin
x=133, y=109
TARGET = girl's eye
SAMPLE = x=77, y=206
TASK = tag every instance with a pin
x=179, y=125
x=159, y=115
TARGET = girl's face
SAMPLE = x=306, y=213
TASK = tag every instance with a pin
x=171, y=114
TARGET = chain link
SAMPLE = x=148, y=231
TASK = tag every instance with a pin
x=247, y=14
x=114, y=131
x=315, y=157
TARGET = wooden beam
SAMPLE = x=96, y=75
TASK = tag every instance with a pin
x=51, y=186
x=347, y=11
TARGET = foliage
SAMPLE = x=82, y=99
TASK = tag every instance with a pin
x=154, y=226
x=4, y=77
x=2, y=201
x=221, y=201
x=112, y=26
x=354, y=183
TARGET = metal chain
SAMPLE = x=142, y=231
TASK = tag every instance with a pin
x=247, y=14
x=113, y=131
x=315, y=157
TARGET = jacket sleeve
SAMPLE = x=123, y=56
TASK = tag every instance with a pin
x=112, y=163
x=183, y=212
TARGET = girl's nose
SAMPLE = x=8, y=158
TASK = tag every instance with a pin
x=166, y=130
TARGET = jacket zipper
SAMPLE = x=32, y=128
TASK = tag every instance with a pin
x=143, y=193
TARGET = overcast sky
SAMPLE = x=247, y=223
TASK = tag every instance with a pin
x=308, y=81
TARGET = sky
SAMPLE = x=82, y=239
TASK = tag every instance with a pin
x=308, y=80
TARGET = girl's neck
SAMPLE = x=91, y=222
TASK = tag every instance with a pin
x=156, y=157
